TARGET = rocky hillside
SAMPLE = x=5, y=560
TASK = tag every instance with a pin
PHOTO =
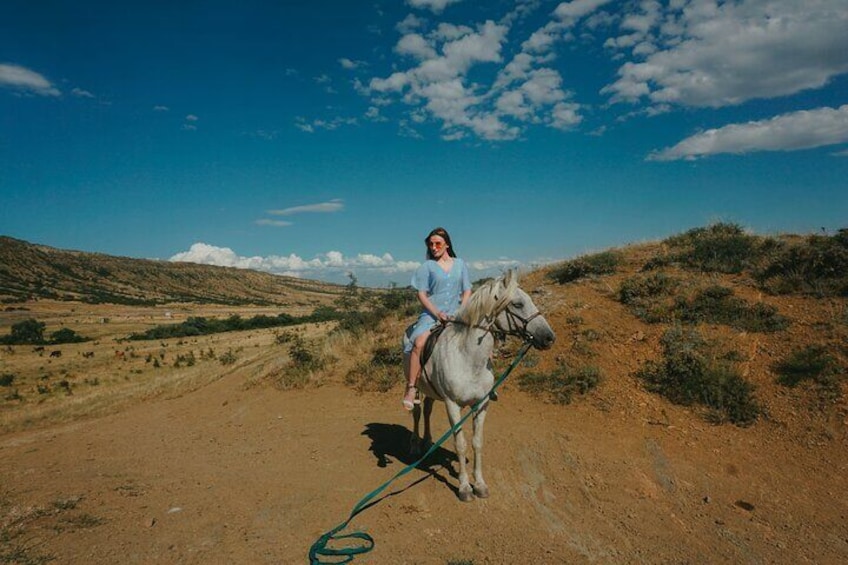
x=29, y=271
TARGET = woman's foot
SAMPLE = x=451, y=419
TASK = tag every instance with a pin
x=409, y=399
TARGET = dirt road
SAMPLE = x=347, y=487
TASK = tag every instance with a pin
x=229, y=474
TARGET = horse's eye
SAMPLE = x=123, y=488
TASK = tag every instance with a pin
x=518, y=304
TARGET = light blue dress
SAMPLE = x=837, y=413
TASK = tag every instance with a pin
x=444, y=290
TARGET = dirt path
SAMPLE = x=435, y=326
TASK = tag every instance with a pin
x=233, y=475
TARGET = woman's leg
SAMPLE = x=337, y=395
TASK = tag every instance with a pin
x=413, y=370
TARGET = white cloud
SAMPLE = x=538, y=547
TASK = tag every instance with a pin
x=494, y=82
x=416, y=46
x=160, y=108
x=275, y=223
x=327, y=266
x=565, y=116
x=376, y=269
x=350, y=64
x=410, y=23
x=267, y=135
x=330, y=125
x=706, y=54
x=191, y=118
x=331, y=206
x=438, y=83
x=525, y=91
x=80, y=93
x=435, y=6
x=22, y=79
x=788, y=132
x=570, y=12
x=373, y=114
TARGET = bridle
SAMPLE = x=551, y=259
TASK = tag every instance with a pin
x=517, y=324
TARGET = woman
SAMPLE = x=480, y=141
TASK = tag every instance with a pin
x=443, y=286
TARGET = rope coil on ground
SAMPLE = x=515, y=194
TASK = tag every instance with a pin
x=348, y=553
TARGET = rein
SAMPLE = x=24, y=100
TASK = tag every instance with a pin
x=348, y=553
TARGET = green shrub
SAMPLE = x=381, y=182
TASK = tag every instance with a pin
x=188, y=360
x=562, y=383
x=649, y=297
x=66, y=335
x=26, y=332
x=302, y=357
x=228, y=358
x=721, y=248
x=400, y=301
x=717, y=305
x=198, y=325
x=374, y=377
x=387, y=357
x=811, y=363
x=604, y=263
x=818, y=266
x=689, y=374
x=6, y=379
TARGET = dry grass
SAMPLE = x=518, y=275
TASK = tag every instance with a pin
x=107, y=374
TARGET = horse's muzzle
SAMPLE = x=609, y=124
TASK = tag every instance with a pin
x=543, y=339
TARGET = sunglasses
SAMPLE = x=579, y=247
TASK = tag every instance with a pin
x=436, y=244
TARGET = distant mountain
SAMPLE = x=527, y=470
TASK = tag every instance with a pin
x=31, y=271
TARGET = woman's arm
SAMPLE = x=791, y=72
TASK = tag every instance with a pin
x=425, y=301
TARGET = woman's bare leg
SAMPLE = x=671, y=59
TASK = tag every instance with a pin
x=413, y=371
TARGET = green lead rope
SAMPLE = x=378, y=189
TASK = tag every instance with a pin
x=348, y=553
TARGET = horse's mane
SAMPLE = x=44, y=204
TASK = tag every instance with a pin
x=489, y=300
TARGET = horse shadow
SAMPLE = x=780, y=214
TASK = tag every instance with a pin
x=391, y=442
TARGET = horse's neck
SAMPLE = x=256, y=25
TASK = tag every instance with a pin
x=476, y=344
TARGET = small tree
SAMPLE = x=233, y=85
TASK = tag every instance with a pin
x=28, y=332
x=66, y=335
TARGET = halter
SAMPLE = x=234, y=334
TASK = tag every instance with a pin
x=516, y=329
x=516, y=325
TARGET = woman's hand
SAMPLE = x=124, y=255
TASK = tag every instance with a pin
x=443, y=318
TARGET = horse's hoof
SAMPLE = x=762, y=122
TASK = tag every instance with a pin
x=466, y=495
x=481, y=491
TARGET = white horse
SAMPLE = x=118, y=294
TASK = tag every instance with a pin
x=459, y=370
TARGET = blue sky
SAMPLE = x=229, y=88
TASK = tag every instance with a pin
x=318, y=137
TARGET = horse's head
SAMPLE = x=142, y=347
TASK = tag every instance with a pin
x=520, y=317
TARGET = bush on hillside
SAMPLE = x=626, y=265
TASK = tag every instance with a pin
x=814, y=364
x=717, y=305
x=604, y=263
x=689, y=373
x=650, y=297
x=379, y=374
x=654, y=299
x=561, y=384
x=818, y=265
x=719, y=248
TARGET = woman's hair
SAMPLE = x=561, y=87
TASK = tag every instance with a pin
x=443, y=233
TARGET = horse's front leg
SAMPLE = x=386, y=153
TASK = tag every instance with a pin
x=454, y=415
x=428, y=410
x=480, y=488
x=414, y=441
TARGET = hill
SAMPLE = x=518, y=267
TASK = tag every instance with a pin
x=30, y=271
x=692, y=410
